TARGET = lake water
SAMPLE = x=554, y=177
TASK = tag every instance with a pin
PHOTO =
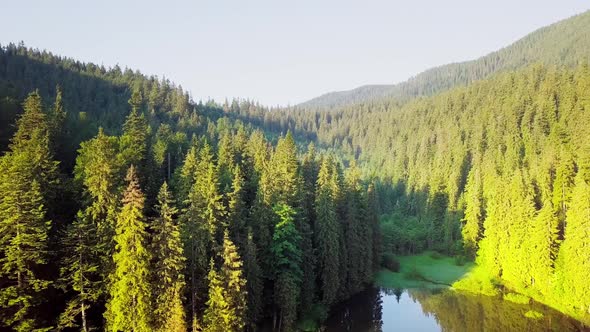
x=442, y=310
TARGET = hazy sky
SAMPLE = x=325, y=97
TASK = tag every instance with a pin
x=276, y=52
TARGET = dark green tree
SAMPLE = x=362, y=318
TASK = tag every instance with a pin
x=286, y=268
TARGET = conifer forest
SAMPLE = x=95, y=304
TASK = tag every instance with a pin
x=128, y=205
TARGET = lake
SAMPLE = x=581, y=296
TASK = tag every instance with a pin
x=442, y=310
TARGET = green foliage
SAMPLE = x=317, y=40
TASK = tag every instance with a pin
x=532, y=314
x=287, y=266
x=167, y=266
x=226, y=307
x=500, y=167
x=516, y=298
x=565, y=42
x=422, y=270
x=28, y=177
x=327, y=235
x=253, y=276
x=129, y=304
x=80, y=272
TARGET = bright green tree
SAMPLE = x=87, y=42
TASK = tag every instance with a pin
x=129, y=305
x=228, y=314
x=472, y=222
x=98, y=172
x=218, y=314
x=167, y=267
x=573, y=266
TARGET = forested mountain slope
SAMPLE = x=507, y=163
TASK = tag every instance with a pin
x=94, y=96
x=565, y=43
x=126, y=206
x=500, y=168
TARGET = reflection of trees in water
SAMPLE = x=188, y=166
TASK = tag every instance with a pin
x=397, y=292
x=362, y=313
x=456, y=311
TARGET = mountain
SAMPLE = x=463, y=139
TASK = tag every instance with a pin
x=566, y=42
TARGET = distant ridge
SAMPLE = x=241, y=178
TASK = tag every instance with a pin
x=566, y=42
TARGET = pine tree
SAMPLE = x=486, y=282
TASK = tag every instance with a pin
x=280, y=182
x=373, y=221
x=573, y=266
x=541, y=244
x=206, y=195
x=23, y=246
x=81, y=272
x=237, y=211
x=98, y=171
x=167, y=266
x=355, y=231
x=472, y=222
x=234, y=284
x=562, y=186
x=135, y=137
x=287, y=267
x=218, y=314
x=253, y=276
x=28, y=182
x=129, y=305
x=56, y=123
x=326, y=236
x=202, y=218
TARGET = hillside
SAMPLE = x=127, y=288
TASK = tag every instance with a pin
x=565, y=43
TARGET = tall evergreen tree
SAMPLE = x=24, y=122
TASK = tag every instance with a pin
x=218, y=314
x=23, y=246
x=327, y=236
x=573, y=266
x=472, y=222
x=28, y=179
x=134, y=141
x=98, y=171
x=253, y=276
x=226, y=308
x=167, y=267
x=81, y=273
x=129, y=305
x=287, y=267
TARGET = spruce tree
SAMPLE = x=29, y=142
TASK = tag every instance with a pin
x=98, y=172
x=23, y=246
x=472, y=222
x=28, y=182
x=573, y=266
x=541, y=244
x=253, y=276
x=286, y=267
x=129, y=305
x=135, y=137
x=234, y=284
x=326, y=236
x=167, y=266
x=218, y=314
x=81, y=272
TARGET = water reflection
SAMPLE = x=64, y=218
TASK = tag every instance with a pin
x=441, y=310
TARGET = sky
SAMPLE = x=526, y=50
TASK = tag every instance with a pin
x=276, y=52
